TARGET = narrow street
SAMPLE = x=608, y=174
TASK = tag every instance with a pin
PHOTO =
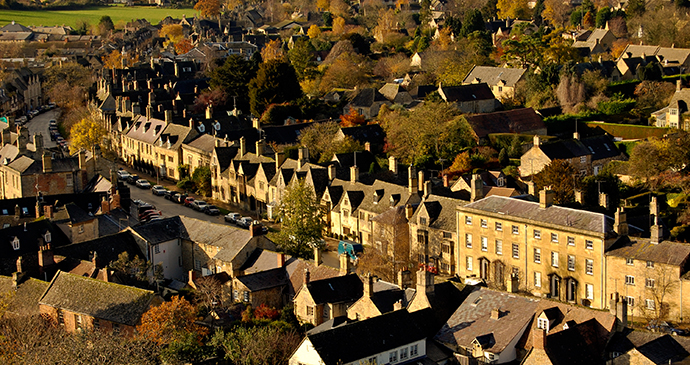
x=40, y=123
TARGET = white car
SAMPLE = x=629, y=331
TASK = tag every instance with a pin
x=143, y=184
x=158, y=190
x=122, y=174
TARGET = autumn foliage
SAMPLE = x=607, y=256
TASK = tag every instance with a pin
x=352, y=119
x=266, y=312
x=169, y=322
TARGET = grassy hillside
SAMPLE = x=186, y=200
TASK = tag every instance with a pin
x=92, y=15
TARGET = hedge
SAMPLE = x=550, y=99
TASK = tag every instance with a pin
x=628, y=131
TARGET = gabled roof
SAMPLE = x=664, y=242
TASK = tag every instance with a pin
x=146, y=130
x=601, y=147
x=264, y=279
x=99, y=299
x=494, y=75
x=24, y=301
x=553, y=215
x=366, y=97
x=441, y=212
x=77, y=215
x=363, y=339
x=638, y=248
x=658, y=348
x=339, y=289
x=107, y=248
x=463, y=93
x=372, y=133
x=521, y=121
x=564, y=149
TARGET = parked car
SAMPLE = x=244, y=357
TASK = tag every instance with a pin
x=199, y=205
x=53, y=122
x=664, y=327
x=141, y=183
x=245, y=222
x=132, y=179
x=169, y=194
x=211, y=210
x=52, y=105
x=188, y=201
x=158, y=190
x=122, y=174
x=179, y=198
x=148, y=213
x=232, y=217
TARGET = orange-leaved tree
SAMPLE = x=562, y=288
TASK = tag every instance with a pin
x=352, y=119
x=171, y=321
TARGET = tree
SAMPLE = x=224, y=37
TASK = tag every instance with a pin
x=301, y=213
x=105, y=26
x=636, y=7
x=202, y=179
x=514, y=9
x=183, y=46
x=113, y=60
x=208, y=8
x=649, y=159
x=208, y=292
x=661, y=283
x=273, y=51
x=170, y=322
x=275, y=82
x=338, y=26
x=135, y=270
x=301, y=57
x=233, y=78
x=603, y=15
x=352, y=119
x=561, y=176
x=461, y=164
x=556, y=12
x=320, y=139
x=473, y=22
x=570, y=92
x=86, y=135
x=264, y=345
x=173, y=32
x=374, y=262
x=314, y=31
x=653, y=95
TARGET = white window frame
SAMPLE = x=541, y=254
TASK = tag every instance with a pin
x=499, y=226
x=571, y=262
x=543, y=323
x=537, y=255
x=630, y=262
x=485, y=244
x=589, y=244
x=537, y=279
x=468, y=240
x=589, y=266
x=468, y=263
x=554, y=258
x=589, y=291
x=499, y=247
x=571, y=241
x=537, y=234
x=649, y=283
x=629, y=280
x=515, y=251
x=649, y=304
x=515, y=229
x=484, y=223
x=554, y=237
x=468, y=220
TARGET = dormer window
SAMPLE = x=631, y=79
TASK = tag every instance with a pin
x=543, y=323
x=47, y=237
x=15, y=243
x=201, y=128
x=216, y=125
x=501, y=182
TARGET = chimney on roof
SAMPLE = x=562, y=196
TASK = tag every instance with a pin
x=302, y=157
x=446, y=181
x=536, y=141
x=168, y=116
x=259, y=147
x=404, y=279
x=281, y=259
x=22, y=138
x=331, y=171
x=576, y=135
x=679, y=85
x=177, y=70
x=546, y=197
x=539, y=339
x=209, y=111
x=420, y=180
x=280, y=158
x=495, y=313
x=6, y=136
x=306, y=276
x=409, y=211
x=367, y=146
x=48, y=211
x=368, y=285
x=18, y=213
x=38, y=143
x=620, y=222
x=425, y=282
x=105, y=206
x=161, y=108
x=393, y=165
x=619, y=308
x=20, y=265
x=604, y=200
x=531, y=188
x=95, y=261
x=411, y=179
x=82, y=160
x=243, y=146
x=345, y=265
x=427, y=189
x=579, y=197
x=317, y=256
x=47, y=162
x=149, y=112
x=45, y=256
x=354, y=174
x=476, y=188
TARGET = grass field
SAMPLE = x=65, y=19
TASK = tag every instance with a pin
x=92, y=15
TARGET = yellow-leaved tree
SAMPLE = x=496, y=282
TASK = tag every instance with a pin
x=513, y=9
x=314, y=31
x=86, y=134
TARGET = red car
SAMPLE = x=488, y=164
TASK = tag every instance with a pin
x=188, y=201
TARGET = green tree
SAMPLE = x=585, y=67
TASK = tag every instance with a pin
x=514, y=9
x=105, y=25
x=319, y=138
x=275, y=82
x=561, y=176
x=503, y=157
x=603, y=15
x=263, y=345
x=489, y=10
x=604, y=182
x=636, y=7
x=233, y=78
x=473, y=22
x=301, y=57
x=302, y=227
x=202, y=179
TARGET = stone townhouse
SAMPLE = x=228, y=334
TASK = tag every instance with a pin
x=433, y=233
x=139, y=140
x=542, y=249
x=79, y=303
x=501, y=80
x=168, y=148
x=22, y=90
x=321, y=300
x=587, y=155
x=472, y=98
x=675, y=114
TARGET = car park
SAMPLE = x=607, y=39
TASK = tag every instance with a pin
x=232, y=217
x=211, y=210
x=144, y=184
x=188, y=201
x=132, y=179
x=199, y=205
x=158, y=190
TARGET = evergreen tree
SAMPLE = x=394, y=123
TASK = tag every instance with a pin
x=473, y=22
x=232, y=78
x=275, y=82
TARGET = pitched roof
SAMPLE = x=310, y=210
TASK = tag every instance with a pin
x=553, y=215
x=77, y=215
x=465, y=93
x=99, y=299
x=665, y=252
x=338, y=289
x=524, y=120
x=601, y=147
x=264, y=279
x=659, y=348
x=24, y=301
x=441, y=212
x=107, y=248
x=494, y=75
x=564, y=149
x=360, y=340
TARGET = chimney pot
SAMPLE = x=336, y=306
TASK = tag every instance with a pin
x=546, y=197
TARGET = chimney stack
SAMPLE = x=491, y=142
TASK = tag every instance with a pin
x=281, y=259
x=209, y=111
x=495, y=313
x=427, y=189
x=280, y=158
x=45, y=257
x=48, y=211
x=38, y=144
x=604, y=200
x=393, y=165
x=576, y=135
x=82, y=160
x=344, y=264
x=621, y=223
x=105, y=206
x=425, y=282
x=531, y=189
x=411, y=179
x=95, y=261
x=168, y=116
x=579, y=197
x=18, y=214
x=446, y=182
x=420, y=180
x=546, y=197
x=367, y=146
x=369, y=285
x=476, y=188
x=243, y=146
x=679, y=85
x=149, y=112
x=317, y=256
x=536, y=141
x=331, y=171
x=354, y=174
x=409, y=211
x=302, y=157
x=404, y=279
x=539, y=339
x=306, y=276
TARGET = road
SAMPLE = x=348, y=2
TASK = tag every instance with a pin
x=40, y=123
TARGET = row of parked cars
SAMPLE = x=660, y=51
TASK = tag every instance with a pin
x=55, y=135
x=147, y=212
x=32, y=113
x=133, y=179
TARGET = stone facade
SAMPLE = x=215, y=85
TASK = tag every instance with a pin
x=75, y=322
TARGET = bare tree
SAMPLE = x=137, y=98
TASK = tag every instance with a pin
x=662, y=282
x=209, y=292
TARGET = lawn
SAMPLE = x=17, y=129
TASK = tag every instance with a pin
x=92, y=15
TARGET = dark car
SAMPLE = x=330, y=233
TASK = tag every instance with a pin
x=211, y=210
x=169, y=194
x=664, y=327
x=179, y=198
x=132, y=179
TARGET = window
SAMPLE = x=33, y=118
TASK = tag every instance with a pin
x=589, y=244
x=516, y=251
x=629, y=280
x=447, y=235
x=310, y=310
x=554, y=237
x=372, y=360
x=571, y=241
x=649, y=283
x=485, y=244
x=589, y=291
x=543, y=323
x=537, y=255
x=583, y=159
x=571, y=263
x=157, y=249
x=468, y=220
x=69, y=179
x=499, y=226
x=96, y=323
x=537, y=279
x=236, y=295
x=484, y=223
x=650, y=264
x=403, y=353
x=554, y=259
x=629, y=262
x=631, y=301
x=445, y=249
x=516, y=230
x=413, y=350
x=60, y=317
x=468, y=240
x=246, y=296
x=15, y=243
x=537, y=234
x=589, y=267
x=77, y=322
x=649, y=303
x=499, y=247
x=393, y=357
x=468, y=261
x=422, y=221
